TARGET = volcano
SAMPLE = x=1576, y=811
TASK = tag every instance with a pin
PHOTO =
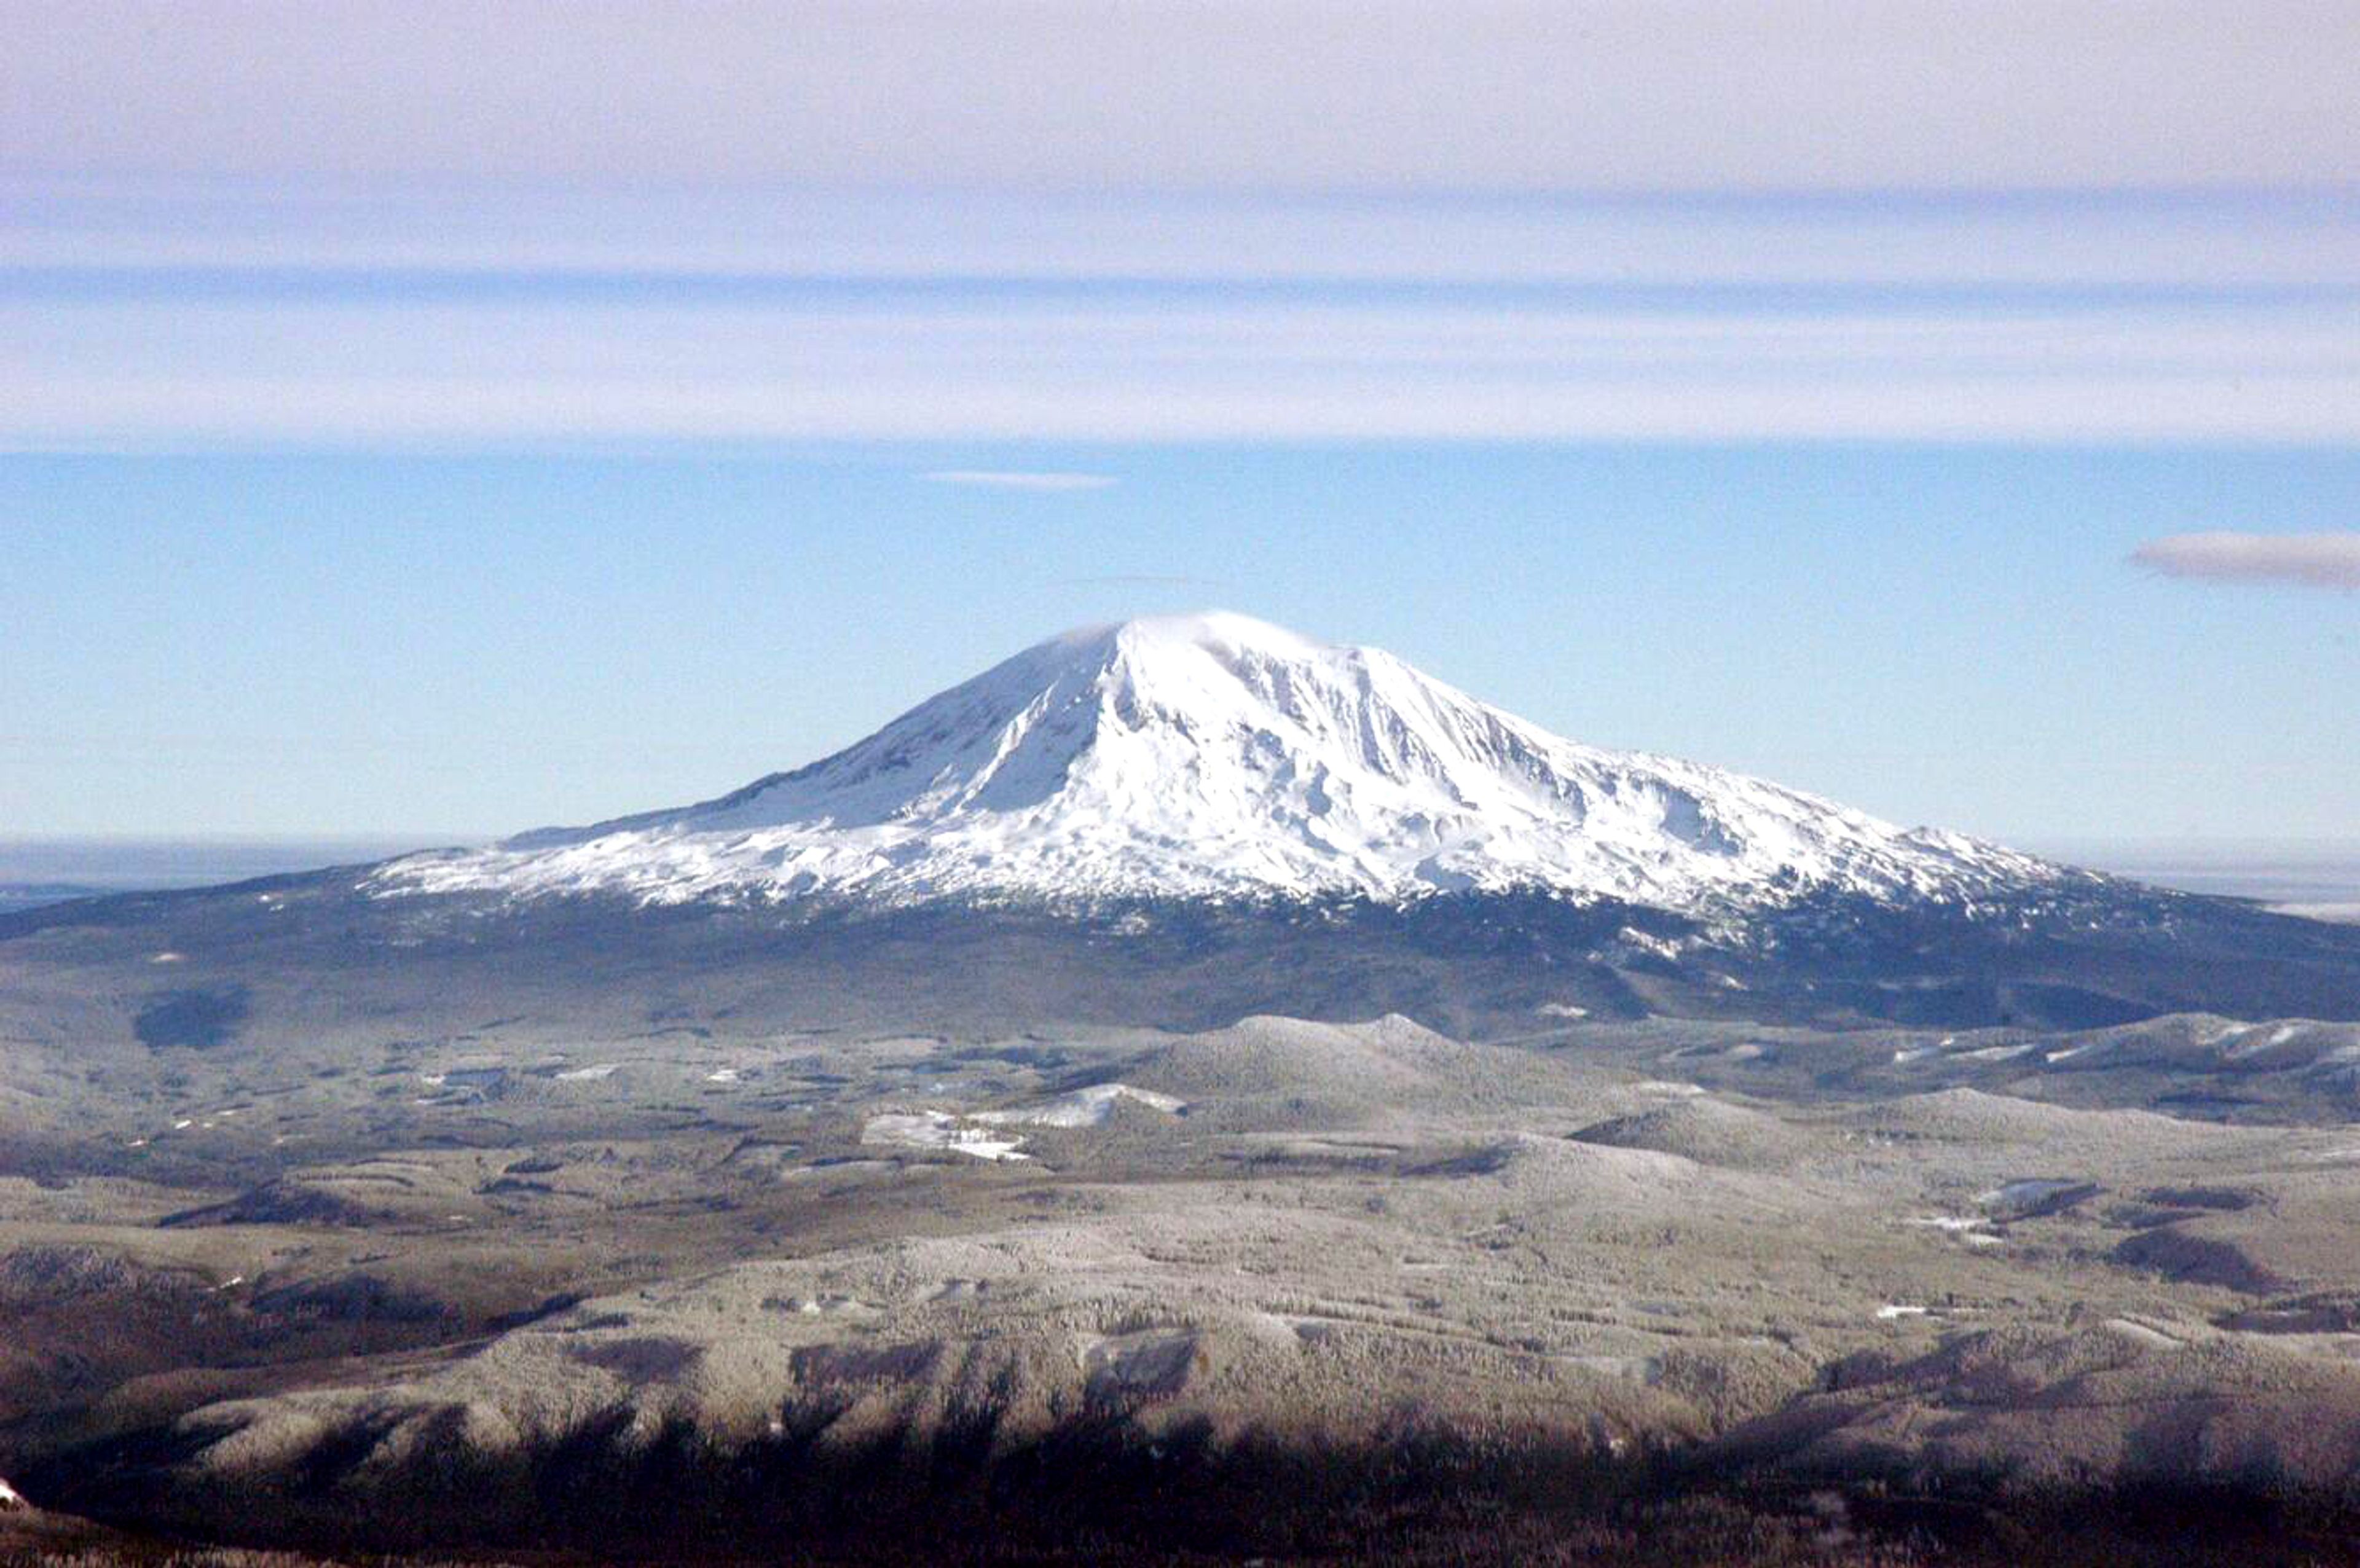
x=1176, y=823
x=1214, y=755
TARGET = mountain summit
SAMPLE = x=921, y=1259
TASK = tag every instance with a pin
x=1175, y=823
x=1214, y=756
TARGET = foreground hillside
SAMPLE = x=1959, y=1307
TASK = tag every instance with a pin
x=1123, y=1292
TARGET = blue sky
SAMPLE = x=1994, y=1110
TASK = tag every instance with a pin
x=414, y=421
x=333, y=642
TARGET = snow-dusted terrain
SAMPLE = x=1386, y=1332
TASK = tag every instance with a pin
x=1219, y=756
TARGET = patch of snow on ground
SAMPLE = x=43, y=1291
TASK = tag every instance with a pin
x=1892, y=1310
x=1082, y=1107
x=588, y=1074
x=2334, y=914
x=1661, y=947
x=2253, y=1041
x=939, y=1129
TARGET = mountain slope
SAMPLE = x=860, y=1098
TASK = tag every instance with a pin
x=1217, y=756
x=1176, y=824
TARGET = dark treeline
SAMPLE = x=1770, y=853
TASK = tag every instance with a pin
x=1105, y=1495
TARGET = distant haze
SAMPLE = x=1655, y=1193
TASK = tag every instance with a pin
x=2317, y=880
x=1302, y=95
x=2324, y=880
x=119, y=865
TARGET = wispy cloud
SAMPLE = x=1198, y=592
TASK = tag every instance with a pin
x=1295, y=95
x=1017, y=479
x=298, y=239
x=2023, y=221
x=2310, y=561
x=219, y=321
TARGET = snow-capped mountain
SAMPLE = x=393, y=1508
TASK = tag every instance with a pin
x=1219, y=756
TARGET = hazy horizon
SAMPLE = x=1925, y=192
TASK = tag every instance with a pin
x=2318, y=877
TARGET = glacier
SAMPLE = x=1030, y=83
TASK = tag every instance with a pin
x=1214, y=757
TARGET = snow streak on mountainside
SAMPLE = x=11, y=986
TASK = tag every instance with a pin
x=1216, y=756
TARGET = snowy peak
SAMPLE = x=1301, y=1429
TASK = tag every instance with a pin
x=1214, y=755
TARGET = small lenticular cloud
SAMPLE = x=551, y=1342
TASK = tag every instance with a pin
x=2310, y=561
x=1008, y=479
